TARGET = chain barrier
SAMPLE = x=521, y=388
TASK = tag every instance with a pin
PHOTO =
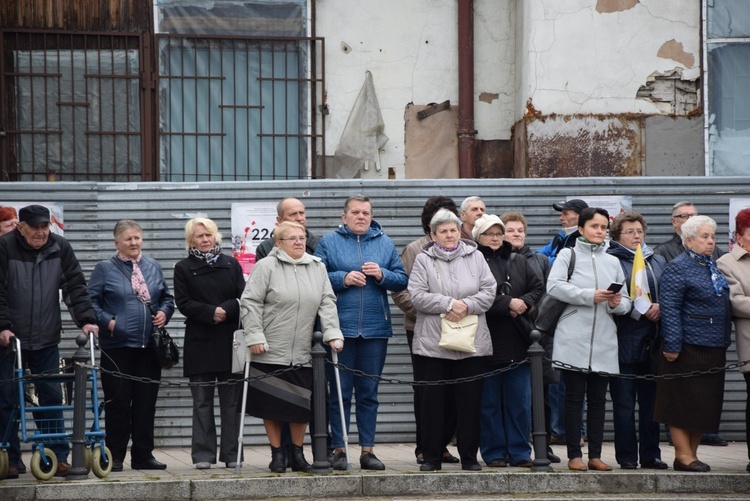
x=649, y=377
x=386, y=380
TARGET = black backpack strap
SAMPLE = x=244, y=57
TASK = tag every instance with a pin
x=571, y=263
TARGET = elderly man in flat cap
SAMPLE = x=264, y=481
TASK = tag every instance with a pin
x=34, y=265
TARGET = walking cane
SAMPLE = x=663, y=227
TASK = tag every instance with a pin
x=344, y=434
x=238, y=468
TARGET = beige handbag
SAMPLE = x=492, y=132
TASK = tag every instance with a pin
x=457, y=336
x=239, y=348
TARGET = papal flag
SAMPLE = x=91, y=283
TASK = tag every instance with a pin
x=639, y=290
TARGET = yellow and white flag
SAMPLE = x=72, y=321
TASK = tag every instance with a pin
x=639, y=290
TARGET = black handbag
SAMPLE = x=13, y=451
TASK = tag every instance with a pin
x=550, y=309
x=167, y=351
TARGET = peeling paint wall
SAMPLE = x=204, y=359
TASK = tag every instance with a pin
x=583, y=146
x=592, y=56
x=410, y=48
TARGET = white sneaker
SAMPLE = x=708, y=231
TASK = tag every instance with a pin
x=202, y=466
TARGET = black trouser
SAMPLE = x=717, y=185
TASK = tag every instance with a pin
x=434, y=403
x=130, y=406
x=450, y=413
x=747, y=411
x=594, y=388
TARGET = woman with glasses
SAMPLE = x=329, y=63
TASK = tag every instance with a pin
x=207, y=287
x=506, y=397
x=586, y=334
x=285, y=293
x=636, y=335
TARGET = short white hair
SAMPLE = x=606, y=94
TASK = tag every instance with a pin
x=692, y=225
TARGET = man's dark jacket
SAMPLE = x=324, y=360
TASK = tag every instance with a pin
x=29, y=283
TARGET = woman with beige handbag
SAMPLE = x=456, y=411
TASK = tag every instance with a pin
x=451, y=287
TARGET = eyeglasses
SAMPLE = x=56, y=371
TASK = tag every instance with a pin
x=294, y=239
x=492, y=235
x=683, y=216
x=630, y=233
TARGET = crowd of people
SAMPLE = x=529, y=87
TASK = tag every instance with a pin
x=628, y=309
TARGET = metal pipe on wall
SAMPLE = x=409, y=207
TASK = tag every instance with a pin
x=466, y=130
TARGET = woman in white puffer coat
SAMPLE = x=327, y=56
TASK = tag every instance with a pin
x=586, y=334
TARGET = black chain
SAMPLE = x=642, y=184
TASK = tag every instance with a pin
x=386, y=380
x=438, y=382
x=649, y=377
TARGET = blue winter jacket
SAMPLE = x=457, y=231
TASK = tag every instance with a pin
x=363, y=311
x=560, y=242
x=633, y=335
x=112, y=296
x=691, y=312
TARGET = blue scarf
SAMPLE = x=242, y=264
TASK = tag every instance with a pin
x=720, y=283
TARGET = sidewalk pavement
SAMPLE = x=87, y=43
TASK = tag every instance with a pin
x=181, y=481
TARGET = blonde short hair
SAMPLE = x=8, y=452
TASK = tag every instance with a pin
x=206, y=223
x=283, y=228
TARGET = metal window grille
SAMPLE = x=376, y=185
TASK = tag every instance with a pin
x=71, y=106
x=236, y=108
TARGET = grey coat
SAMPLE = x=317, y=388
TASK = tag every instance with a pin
x=464, y=275
x=279, y=305
x=586, y=335
x=736, y=269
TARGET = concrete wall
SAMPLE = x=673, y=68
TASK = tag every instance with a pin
x=592, y=56
x=568, y=57
x=411, y=49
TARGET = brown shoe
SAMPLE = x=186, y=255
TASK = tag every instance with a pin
x=577, y=464
x=599, y=465
x=62, y=469
x=12, y=472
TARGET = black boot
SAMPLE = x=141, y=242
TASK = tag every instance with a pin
x=277, y=460
x=299, y=463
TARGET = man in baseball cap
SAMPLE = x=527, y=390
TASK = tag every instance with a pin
x=569, y=211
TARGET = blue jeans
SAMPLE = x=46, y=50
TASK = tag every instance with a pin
x=50, y=393
x=506, y=415
x=624, y=394
x=367, y=355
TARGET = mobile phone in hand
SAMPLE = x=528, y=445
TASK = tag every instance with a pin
x=614, y=287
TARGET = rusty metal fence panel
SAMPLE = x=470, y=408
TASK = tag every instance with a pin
x=237, y=108
x=71, y=106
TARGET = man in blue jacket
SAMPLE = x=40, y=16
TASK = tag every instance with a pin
x=34, y=265
x=363, y=266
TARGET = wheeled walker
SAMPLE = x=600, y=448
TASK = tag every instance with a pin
x=50, y=431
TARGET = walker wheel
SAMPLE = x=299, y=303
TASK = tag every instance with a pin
x=87, y=459
x=40, y=470
x=101, y=464
x=4, y=463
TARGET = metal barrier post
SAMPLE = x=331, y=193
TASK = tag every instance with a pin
x=319, y=434
x=539, y=430
x=80, y=357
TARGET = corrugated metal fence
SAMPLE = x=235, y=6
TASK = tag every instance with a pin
x=91, y=210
